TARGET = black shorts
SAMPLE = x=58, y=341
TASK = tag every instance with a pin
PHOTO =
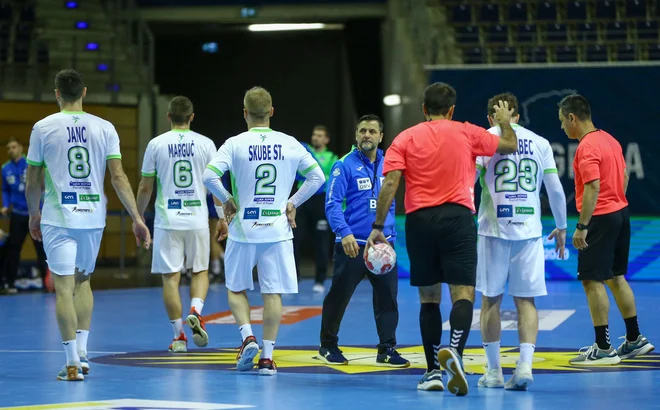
x=442, y=245
x=608, y=246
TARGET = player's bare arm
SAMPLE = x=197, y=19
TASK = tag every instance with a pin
x=33, y=183
x=385, y=198
x=124, y=191
x=508, y=143
x=589, y=200
x=145, y=190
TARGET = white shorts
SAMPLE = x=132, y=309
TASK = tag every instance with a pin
x=275, y=264
x=173, y=250
x=521, y=262
x=70, y=249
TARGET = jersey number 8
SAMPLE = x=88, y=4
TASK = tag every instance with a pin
x=79, y=162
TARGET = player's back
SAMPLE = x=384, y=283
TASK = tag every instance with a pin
x=511, y=185
x=74, y=149
x=263, y=168
x=178, y=159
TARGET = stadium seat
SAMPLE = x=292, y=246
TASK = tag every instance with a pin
x=556, y=33
x=546, y=10
x=606, y=10
x=596, y=52
x=527, y=34
x=654, y=52
x=489, y=13
x=42, y=53
x=505, y=55
x=518, y=11
x=27, y=12
x=647, y=30
x=586, y=32
x=616, y=31
x=576, y=10
x=626, y=52
x=5, y=11
x=566, y=54
x=474, y=55
x=21, y=52
x=536, y=55
x=636, y=8
x=461, y=13
x=467, y=35
x=23, y=32
x=497, y=34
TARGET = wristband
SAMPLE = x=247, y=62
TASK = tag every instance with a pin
x=220, y=211
x=581, y=227
x=377, y=226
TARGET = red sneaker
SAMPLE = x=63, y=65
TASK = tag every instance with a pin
x=267, y=367
x=196, y=323
x=180, y=344
x=245, y=357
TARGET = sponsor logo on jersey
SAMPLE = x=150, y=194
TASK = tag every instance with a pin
x=80, y=185
x=265, y=201
x=69, y=198
x=11, y=180
x=524, y=210
x=90, y=198
x=184, y=213
x=271, y=212
x=185, y=192
x=516, y=223
x=195, y=202
x=336, y=172
x=82, y=210
x=363, y=184
x=516, y=197
x=259, y=225
x=504, y=211
x=173, y=204
x=251, y=213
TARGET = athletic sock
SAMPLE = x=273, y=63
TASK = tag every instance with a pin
x=267, y=351
x=177, y=326
x=81, y=341
x=71, y=350
x=246, y=331
x=430, y=323
x=197, y=304
x=460, y=320
x=526, y=352
x=603, y=337
x=632, y=328
x=493, y=354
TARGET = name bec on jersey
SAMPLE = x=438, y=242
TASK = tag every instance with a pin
x=265, y=152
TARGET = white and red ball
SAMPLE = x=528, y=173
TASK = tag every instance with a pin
x=381, y=258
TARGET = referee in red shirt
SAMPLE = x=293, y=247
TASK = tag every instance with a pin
x=602, y=236
x=437, y=159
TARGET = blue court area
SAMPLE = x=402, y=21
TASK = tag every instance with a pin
x=131, y=368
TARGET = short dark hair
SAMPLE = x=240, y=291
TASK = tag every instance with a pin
x=180, y=109
x=322, y=128
x=577, y=105
x=13, y=139
x=371, y=117
x=70, y=84
x=508, y=97
x=439, y=98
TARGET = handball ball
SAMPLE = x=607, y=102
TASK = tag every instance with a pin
x=381, y=259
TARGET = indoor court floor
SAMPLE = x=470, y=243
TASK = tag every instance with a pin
x=131, y=368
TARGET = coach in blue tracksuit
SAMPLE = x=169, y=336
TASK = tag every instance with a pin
x=350, y=206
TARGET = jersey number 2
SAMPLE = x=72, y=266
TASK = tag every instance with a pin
x=507, y=177
x=79, y=162
x=265, y=175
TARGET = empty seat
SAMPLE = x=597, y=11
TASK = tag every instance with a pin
x=536, y=55
x=489, y=12
x=526, y=33
x=42, y=52
x=461, y=13
x=518, y=11
x=4, y=33
x=505, y=55
x=606, y=10
x=626, y=52
x=27, y=13
x=566, y=54
x=654, y=52
x=546, y=10
x=474, y=55
x=497, y=34
x=21, y=52
x=647, y=30
x=616, y=31
x=586, y=32
x=23, y=32
x=636, y=8
x=556, y=33
x=576, y=10
x=5, y=11
x=596, y=52
x=467, y=35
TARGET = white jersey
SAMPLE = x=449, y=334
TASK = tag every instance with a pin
x=178, y=159
x=73, y=148
x=511, y=186
x=263, y=165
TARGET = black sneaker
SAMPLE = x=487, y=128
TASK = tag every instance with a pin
x=391, y=358
x=332, y=356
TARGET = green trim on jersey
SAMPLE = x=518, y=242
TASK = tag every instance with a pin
x=72, y=112
x=237, y=219
x=52, y=198
x=7, y=163
x=260, y=129
x=487, y=201
x=149, y=174
x=214, y=169
x=33, y=163
x=308, y=169
x=550, y=171
x=160, y=202
x=113, y=156
x=179, y=130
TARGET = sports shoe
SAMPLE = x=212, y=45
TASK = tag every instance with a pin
x=391, y=358
x=180, y=344
x=71, y=373
x=431, y=381
x=595, y=356
x=200, y=337
x=522, y=377
x=84, y=363
x=451, y=362
x=639, y=347
x=492, y=378
x=332, y=356
x=245, y=357
x=267, y=367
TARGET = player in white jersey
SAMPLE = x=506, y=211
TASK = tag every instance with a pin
x=72, y=148
x=176, y=160
x=263, y=165
x=510, y=243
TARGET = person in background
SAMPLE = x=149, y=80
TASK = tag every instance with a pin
x=311, y=215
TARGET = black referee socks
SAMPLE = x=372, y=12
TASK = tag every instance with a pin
x=430, y=323
x=460, y=321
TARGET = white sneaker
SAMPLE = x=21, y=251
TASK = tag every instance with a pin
x=318, y=288
x=522, y=377
x=493, y=378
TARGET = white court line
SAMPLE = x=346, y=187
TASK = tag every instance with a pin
x=52, y=351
